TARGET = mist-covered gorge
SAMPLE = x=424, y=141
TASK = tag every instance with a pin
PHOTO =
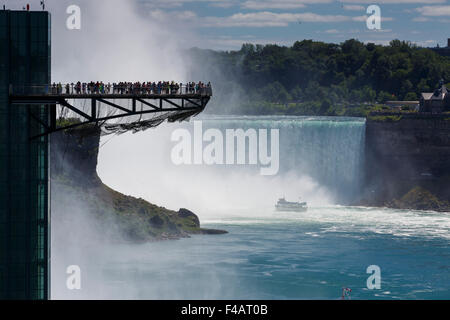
x=320, y=160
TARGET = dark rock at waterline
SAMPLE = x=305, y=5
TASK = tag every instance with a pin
x=213, y=231
x=187, y=214
x=419, y=198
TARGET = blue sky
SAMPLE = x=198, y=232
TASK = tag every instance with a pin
x=226, y=24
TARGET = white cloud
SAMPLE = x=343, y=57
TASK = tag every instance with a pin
x=434, y=11
x=364, y=18
x=271, y=19
x=255, y=19
x=260, y=5
x=354, y=7
x=180, y=3
x=279, y=4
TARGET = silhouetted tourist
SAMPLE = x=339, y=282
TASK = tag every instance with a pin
x=137, y=88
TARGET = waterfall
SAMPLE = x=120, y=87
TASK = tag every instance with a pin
x=328, y=149
x=320, y=160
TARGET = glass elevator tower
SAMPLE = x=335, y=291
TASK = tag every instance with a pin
x=25, y=44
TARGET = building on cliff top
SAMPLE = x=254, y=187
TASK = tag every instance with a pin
x=437, y=101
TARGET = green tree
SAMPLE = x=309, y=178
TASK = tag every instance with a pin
x=410, y=96
x=325, y=106
x=311, y=72
x=384, y=96
x=275, y=92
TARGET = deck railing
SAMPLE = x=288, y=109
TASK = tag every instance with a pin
x=73, y=90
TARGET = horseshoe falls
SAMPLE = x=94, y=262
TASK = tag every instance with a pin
x=329, y=150
x=321, y=160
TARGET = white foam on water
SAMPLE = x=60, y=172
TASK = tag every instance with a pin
x=402, y=223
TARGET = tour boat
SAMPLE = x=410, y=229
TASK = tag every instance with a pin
x=283, y=205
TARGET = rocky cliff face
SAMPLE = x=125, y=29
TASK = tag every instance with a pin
x=76, y=186
x=407, y=156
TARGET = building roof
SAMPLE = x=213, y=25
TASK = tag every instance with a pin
x=438, y=94
x=427, y=95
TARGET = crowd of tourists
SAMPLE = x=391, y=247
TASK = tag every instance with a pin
x=161, y=87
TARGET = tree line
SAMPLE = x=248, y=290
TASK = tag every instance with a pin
x=313, y=77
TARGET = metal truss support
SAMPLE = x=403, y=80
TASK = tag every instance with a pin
x=180, y=107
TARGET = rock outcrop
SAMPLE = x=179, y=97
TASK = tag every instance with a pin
x=420, y=199
x=76, y=186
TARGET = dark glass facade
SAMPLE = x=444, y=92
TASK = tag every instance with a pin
x=24, y=187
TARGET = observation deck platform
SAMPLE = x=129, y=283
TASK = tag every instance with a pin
x=117, y=109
